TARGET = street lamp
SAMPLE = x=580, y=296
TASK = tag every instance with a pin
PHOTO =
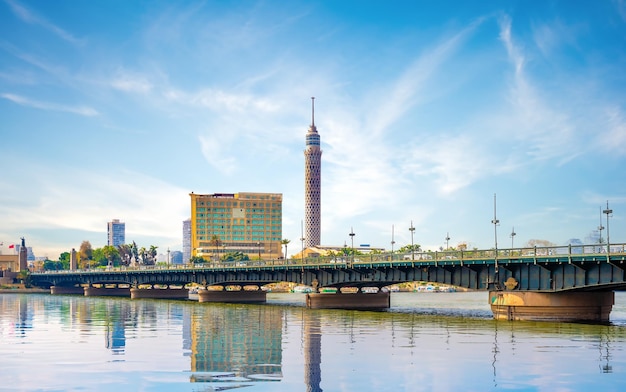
x=412, y=229
x=495, y=222
x=447, y=240
x=600, y=228
x=302, y=241
x=392, y=242
x=258, y=244
x=608, y=240
x=352, y=242
x=513, y=234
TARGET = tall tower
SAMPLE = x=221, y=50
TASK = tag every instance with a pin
x=312, y=184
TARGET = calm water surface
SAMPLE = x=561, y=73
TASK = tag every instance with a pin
x=425, y=342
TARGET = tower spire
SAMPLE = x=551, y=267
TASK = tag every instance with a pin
x=313, y=111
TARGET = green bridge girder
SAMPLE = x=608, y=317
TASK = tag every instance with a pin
x=548, y=269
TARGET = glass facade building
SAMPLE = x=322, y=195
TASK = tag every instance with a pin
x=250, y=223
x=116, y=233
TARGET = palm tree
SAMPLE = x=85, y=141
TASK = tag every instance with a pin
x=285, y=242
x=153, y=253
x=143, y=253
x=215, y=242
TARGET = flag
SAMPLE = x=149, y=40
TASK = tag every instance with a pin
x=11, y=246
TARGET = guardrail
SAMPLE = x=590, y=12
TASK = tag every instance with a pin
x=599, y=250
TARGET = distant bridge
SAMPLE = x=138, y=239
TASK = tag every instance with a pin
x=537, y=269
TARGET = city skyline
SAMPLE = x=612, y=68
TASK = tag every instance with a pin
x=426, y=111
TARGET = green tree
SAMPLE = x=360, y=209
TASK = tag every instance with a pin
x=235, y=256
x=65, y=257
x=49, y=265
x=99, y=257
x=285, y=242
x=111, y=254
x=197, y=260
x=86, y=251
x=410, y=248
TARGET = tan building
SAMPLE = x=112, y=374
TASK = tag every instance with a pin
x=250, y=223
x=9, y=268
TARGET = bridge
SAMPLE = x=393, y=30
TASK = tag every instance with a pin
x=573, y=283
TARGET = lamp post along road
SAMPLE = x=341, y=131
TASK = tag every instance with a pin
x=412, y=229
x=352, y=243
x=608, y=212
x=392, y=242
x=495, y=222
x=513, y=234
x=447, y=241
x=600, y=228
x=302, y=241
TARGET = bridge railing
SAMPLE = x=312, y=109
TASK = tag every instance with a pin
x=388, y=257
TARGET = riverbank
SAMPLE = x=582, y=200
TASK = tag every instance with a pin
x=20, y=289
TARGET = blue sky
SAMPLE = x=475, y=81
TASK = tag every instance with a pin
x=120, y=109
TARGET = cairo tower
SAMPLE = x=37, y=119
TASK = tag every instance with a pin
x=312, y=184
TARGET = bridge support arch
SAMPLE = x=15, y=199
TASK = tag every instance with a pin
x=555, y=306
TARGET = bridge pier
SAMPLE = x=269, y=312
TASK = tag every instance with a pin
x=103, y=291
x=159, y=293
x=67, y=290
x=356, y=301
x=232, y=296
x=557, y=306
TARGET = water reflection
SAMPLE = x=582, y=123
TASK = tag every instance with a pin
x=312, y=345
x=236, y=343
x=191, y=346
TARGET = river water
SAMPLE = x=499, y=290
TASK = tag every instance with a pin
x=425, y=342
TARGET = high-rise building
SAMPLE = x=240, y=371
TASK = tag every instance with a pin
x=186, y=240
x=312, y=184
x=116, y=233
x=250, y=223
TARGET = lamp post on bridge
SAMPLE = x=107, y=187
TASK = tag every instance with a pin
x=412, y=230
x=495, y=222
x=600, y=228
x=302, y=242
x=352, y=243
x=513, y=234
x=392, y=242
x=447, y=241
x=608, y=212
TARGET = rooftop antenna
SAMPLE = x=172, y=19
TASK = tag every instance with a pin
x=313, y=111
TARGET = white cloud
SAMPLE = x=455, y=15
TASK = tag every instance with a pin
x=85, y=200
x=81, y=110
x=131, y=82
x=30, y=17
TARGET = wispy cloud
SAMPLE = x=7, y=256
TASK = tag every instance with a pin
x=87, y=205
x=549, y=133
x=131, y=82
x=81, y=110
x=614, y=138
x=30, y=17
x=409, y=88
